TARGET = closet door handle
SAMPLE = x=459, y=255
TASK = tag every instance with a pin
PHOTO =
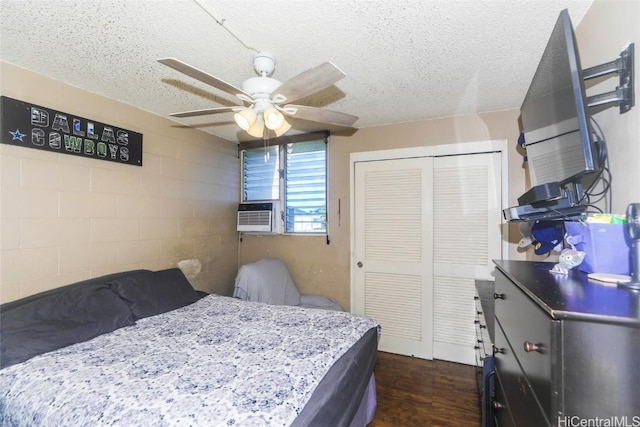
x=359, y=264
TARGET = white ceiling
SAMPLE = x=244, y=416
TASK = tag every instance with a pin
x=405, y=60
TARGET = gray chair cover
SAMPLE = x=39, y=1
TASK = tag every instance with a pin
x=268, y=281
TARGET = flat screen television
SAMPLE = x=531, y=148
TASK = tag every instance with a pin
x=561, y=149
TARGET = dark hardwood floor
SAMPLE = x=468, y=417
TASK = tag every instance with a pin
x=415, y=392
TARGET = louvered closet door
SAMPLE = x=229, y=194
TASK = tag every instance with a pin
x=392, y=268
x=466, y=238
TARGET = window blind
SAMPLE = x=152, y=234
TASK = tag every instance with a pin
x=261, y=174
x=306, y=187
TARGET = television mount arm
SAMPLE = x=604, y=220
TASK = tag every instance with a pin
x=623, y=96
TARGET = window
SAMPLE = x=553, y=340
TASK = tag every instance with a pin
x=294, y=173
x=260, y=174
x=305, y=186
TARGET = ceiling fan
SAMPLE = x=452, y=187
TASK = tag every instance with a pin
x=267, y=100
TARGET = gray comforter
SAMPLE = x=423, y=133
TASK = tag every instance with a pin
x=219, y=361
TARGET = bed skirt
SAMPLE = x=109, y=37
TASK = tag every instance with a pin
x=367, y=409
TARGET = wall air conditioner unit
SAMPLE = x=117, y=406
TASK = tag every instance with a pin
x=259, y=218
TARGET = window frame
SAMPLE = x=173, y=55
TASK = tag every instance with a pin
x=282, y=143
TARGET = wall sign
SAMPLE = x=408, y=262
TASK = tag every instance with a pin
x=33, y=126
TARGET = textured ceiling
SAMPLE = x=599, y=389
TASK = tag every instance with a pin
x=404, y=60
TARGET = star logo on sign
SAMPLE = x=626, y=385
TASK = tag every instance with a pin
x=17, y=135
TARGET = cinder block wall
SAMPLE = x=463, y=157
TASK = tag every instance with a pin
x=66, y=218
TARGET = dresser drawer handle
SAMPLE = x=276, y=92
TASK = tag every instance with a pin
x=477, y=322
x=498, y=296
x=529, y=347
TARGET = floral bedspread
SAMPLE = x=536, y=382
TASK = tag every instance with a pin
x=218, y=362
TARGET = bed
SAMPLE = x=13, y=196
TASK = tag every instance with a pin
x=144, y=348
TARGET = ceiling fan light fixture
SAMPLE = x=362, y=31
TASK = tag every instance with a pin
x=282, y=129
x=246, y=118
x=273, y=118
x=257, y=129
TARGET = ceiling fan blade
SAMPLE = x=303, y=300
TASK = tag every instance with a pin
x=309, y=82
x=320, y=115
x=202, y=76
x=204, y=112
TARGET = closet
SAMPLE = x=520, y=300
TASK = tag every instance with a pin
x=426, y=223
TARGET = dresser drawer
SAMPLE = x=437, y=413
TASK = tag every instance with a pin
x=528, y=330
x=501, y=414
x=518, y=393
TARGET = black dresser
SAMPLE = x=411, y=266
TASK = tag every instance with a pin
x=484, y=323
x=567, y=349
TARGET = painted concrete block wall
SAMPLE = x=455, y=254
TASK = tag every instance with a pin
x=66, y=218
